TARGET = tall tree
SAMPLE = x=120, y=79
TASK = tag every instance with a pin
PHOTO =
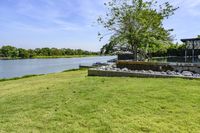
x=9, y=51
x=137, y=24
x=23, y=53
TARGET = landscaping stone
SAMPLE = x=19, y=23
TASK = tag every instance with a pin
x=171, y=72
x=150, y=71
x=163, y=73
x=187, y=73
x=125, y=69
x=196, y=75
x=113, y=68
x=143, y=71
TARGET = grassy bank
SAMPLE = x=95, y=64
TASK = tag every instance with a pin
x=73, y=102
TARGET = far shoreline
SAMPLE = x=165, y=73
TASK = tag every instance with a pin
x=50, y=57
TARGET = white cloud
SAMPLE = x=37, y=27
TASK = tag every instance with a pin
x=191, y=7
x=67, y=15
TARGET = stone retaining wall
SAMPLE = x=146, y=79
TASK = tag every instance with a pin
x=186, y=67
x=132, y=65
x=93, y=72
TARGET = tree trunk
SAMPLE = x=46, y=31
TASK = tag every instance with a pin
x=134, y=51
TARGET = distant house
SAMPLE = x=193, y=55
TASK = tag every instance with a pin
x=192, y=44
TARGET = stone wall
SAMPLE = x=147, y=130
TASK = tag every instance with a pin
x=155, y=66
x=93, y=72
x=185, y=67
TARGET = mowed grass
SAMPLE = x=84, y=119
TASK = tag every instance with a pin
x=73, y=102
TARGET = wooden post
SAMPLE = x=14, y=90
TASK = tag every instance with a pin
x=185, y=51
x=193, y=52
x=186, y=55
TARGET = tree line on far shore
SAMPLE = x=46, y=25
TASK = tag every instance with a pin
x=13, y=52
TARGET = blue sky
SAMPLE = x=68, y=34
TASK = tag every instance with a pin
x=71, y=23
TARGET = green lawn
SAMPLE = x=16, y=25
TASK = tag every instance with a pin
x=73, y=102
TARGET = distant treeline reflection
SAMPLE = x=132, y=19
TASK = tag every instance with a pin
x=13, y=52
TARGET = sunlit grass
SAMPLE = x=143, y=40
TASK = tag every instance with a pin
x=73, y=102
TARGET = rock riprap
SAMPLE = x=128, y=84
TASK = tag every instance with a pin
x=169, y=73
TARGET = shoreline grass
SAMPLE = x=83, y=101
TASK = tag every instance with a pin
x=73, y=102
x=34, y=75
x=17, y=78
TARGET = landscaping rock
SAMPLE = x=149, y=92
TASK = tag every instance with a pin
x=143, y=71
x=150, y=71
x=170, y=73
x=103, y=67
x=196, y=75
x=187, y=73
x=163, y=73
x=179, y=74
x=118, y=69
x=125, y=69
x=114, y=66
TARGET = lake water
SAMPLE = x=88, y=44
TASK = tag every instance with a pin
x=18, y=68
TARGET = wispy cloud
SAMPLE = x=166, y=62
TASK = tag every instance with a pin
x=193, y=7
x=190, y=7
x=68, y=15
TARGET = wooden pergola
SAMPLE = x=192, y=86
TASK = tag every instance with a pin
x=192, y=44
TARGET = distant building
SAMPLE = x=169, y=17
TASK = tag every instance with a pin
x=192, y=44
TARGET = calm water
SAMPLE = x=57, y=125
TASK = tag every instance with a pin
x=18, y=68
